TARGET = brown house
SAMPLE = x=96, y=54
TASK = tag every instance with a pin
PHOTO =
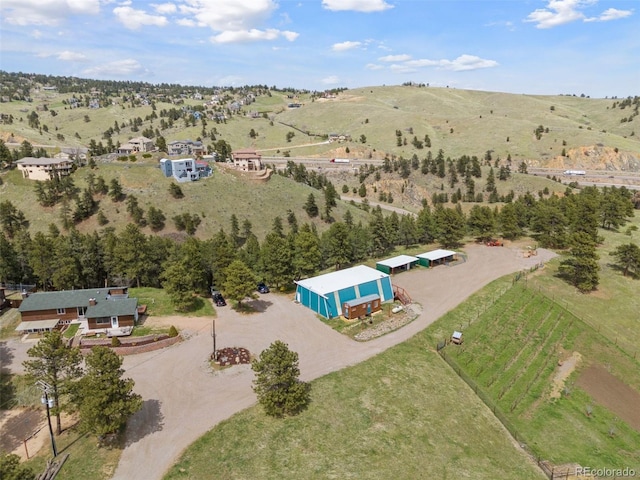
x=93, y=308
x=247, y=160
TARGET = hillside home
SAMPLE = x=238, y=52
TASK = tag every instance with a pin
x=95, y=309
x=185, y=169
x=44, y=168
x=186, y=147
x=247, y=160
x=137, y=144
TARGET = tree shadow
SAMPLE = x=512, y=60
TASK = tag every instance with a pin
x=620, y=270
x=254, y=306
x=149, y=419
x=6, y=356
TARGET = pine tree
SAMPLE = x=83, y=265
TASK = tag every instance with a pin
x=277, y=384
x=104, y=399
x=57, y=365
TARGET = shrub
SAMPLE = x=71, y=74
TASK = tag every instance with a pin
x=173, y=331
x=115, y=342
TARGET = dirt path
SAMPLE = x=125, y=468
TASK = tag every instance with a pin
x=184, y=398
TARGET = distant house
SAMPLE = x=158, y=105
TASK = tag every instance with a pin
x=186, y=147
x=247, y=160
x=94, y=308
x=185, y=169
x=44, y=168
x=137, y=144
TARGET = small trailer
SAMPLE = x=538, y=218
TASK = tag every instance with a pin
x=456, y=338
x=339, y=160
x=361, y=307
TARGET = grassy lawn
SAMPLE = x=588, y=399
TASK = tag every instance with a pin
x=159, y=304
x=389, y=417
x=72, y=330
x=9, y=320
x=86, y=459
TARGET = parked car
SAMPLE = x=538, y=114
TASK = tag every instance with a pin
x=218, y=299
x=262, y=288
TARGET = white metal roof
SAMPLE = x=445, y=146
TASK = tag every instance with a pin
x=331, y=282
x=32, y=324
x=436, y=254
x=397, y=261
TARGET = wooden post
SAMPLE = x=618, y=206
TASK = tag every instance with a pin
x=25, y=448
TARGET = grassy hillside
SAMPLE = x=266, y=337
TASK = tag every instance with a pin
x=214, y=199
x=388, y=417
x=458, y=121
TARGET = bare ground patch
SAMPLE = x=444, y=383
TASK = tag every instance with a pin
x=564, y=370
x=612, y=393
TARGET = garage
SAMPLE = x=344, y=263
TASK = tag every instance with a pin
x=397, y=264
x=436, y=257
x=327, y=294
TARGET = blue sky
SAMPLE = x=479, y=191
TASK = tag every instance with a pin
x=533, y=47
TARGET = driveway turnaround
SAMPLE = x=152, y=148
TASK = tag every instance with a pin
x=184, y=398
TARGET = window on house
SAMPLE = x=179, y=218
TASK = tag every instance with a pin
x=61, y=311
x=103, y=320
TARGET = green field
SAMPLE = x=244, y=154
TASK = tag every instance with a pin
x=511, y=351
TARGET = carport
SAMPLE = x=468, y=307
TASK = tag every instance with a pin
x=397, y=264
x=436, y=257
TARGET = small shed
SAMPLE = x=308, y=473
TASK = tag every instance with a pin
x=456, y=338
x=360, y=307
x=436, y=257
x=397, y=264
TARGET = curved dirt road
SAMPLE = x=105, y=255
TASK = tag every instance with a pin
x=183, y=398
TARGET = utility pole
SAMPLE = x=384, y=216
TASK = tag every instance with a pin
x=213, y=335
x=46, y=388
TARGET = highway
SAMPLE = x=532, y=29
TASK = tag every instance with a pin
x=599, y=178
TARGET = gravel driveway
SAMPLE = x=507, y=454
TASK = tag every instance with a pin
x=184, y=398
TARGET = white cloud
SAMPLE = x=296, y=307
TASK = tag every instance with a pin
x=423, y=63
x=365, y=6
x=395, y=58
x=331, y=80
x=373, y=66
x=186, y=22
x=467, y=62
x=341, y=47
x=121, y=68
x=134, y=19
x=164, y=8
x=253, y=35
x=50, y=12
x=234, y=21
x=69, y=56
x=36, y=34
x=403, y=64
x=228, y=15
x=559, y=12
x=610, y=14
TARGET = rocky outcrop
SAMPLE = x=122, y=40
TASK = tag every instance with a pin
x=597, y=157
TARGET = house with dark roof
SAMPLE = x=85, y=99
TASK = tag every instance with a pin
x=94, y=308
